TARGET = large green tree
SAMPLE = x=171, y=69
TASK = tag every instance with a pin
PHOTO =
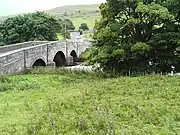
x=136, y=35
x=174, y=7
x=35, y=26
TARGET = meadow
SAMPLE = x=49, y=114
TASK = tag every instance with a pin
x=78, y=14
x=57, y=101
x=89, y=20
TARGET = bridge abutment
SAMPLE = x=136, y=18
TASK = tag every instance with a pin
x=55, y=53
x=69, y=61
x=53, y=64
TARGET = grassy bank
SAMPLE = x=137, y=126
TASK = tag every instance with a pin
x=55, y=102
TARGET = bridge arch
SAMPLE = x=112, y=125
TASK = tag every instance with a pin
x=74, y=55
x=59, y=59
x=39, y=63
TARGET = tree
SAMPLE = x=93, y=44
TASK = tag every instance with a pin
x=127, y=33
x=67, y=25
x=35, y=26
x=84, y=27
x=173, y=6
x=65, y=13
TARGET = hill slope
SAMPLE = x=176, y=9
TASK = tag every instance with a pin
x=78, y=14
x=74, y=9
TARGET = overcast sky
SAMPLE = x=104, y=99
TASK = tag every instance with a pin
x=9, y=7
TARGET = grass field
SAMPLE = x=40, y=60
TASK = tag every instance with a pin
x=78, y=14
x=89, y=20
x=59, y=102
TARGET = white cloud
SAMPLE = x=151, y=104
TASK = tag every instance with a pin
x=19, y=6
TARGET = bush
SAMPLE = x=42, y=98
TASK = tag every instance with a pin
x=86, y=54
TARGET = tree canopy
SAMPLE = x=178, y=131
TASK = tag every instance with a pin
x=137, y=35
x=83, y=27
x=69, y=26
x=34, y=26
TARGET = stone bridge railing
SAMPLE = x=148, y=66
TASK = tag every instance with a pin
x=8, y=48
x=18, y=57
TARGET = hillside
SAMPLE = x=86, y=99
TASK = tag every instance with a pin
x=2, y=18
x=78, y=14
x=71, y=9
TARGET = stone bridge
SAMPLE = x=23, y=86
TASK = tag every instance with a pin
x=15, y=58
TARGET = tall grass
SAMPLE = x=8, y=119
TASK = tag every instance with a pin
x=17, y=83
x=82, y=103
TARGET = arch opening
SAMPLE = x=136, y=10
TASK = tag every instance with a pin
x=74, y=55
x=59, y=59
x=39, y=63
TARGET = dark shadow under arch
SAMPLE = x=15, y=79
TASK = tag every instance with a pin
x=39, y=63
x=74, y=55
x=60, y=59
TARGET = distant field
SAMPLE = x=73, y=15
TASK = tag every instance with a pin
x=59, y=102
x=90, y=20
x=74, y=9
x=77, y=13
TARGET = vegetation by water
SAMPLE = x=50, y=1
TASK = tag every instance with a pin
x=138, y=35
x=56, y=101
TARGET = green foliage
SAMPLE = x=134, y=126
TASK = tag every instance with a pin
x=83, y=27
x=128, y=32
x=86, y=54
x=35, y=26
x=81, y=103
x=67, y=25
x=173, y=6
x=17, y=84
x=140, y=48
x=164, y=50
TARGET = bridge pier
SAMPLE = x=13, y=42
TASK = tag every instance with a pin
x=69, y=61
x=53, y=64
